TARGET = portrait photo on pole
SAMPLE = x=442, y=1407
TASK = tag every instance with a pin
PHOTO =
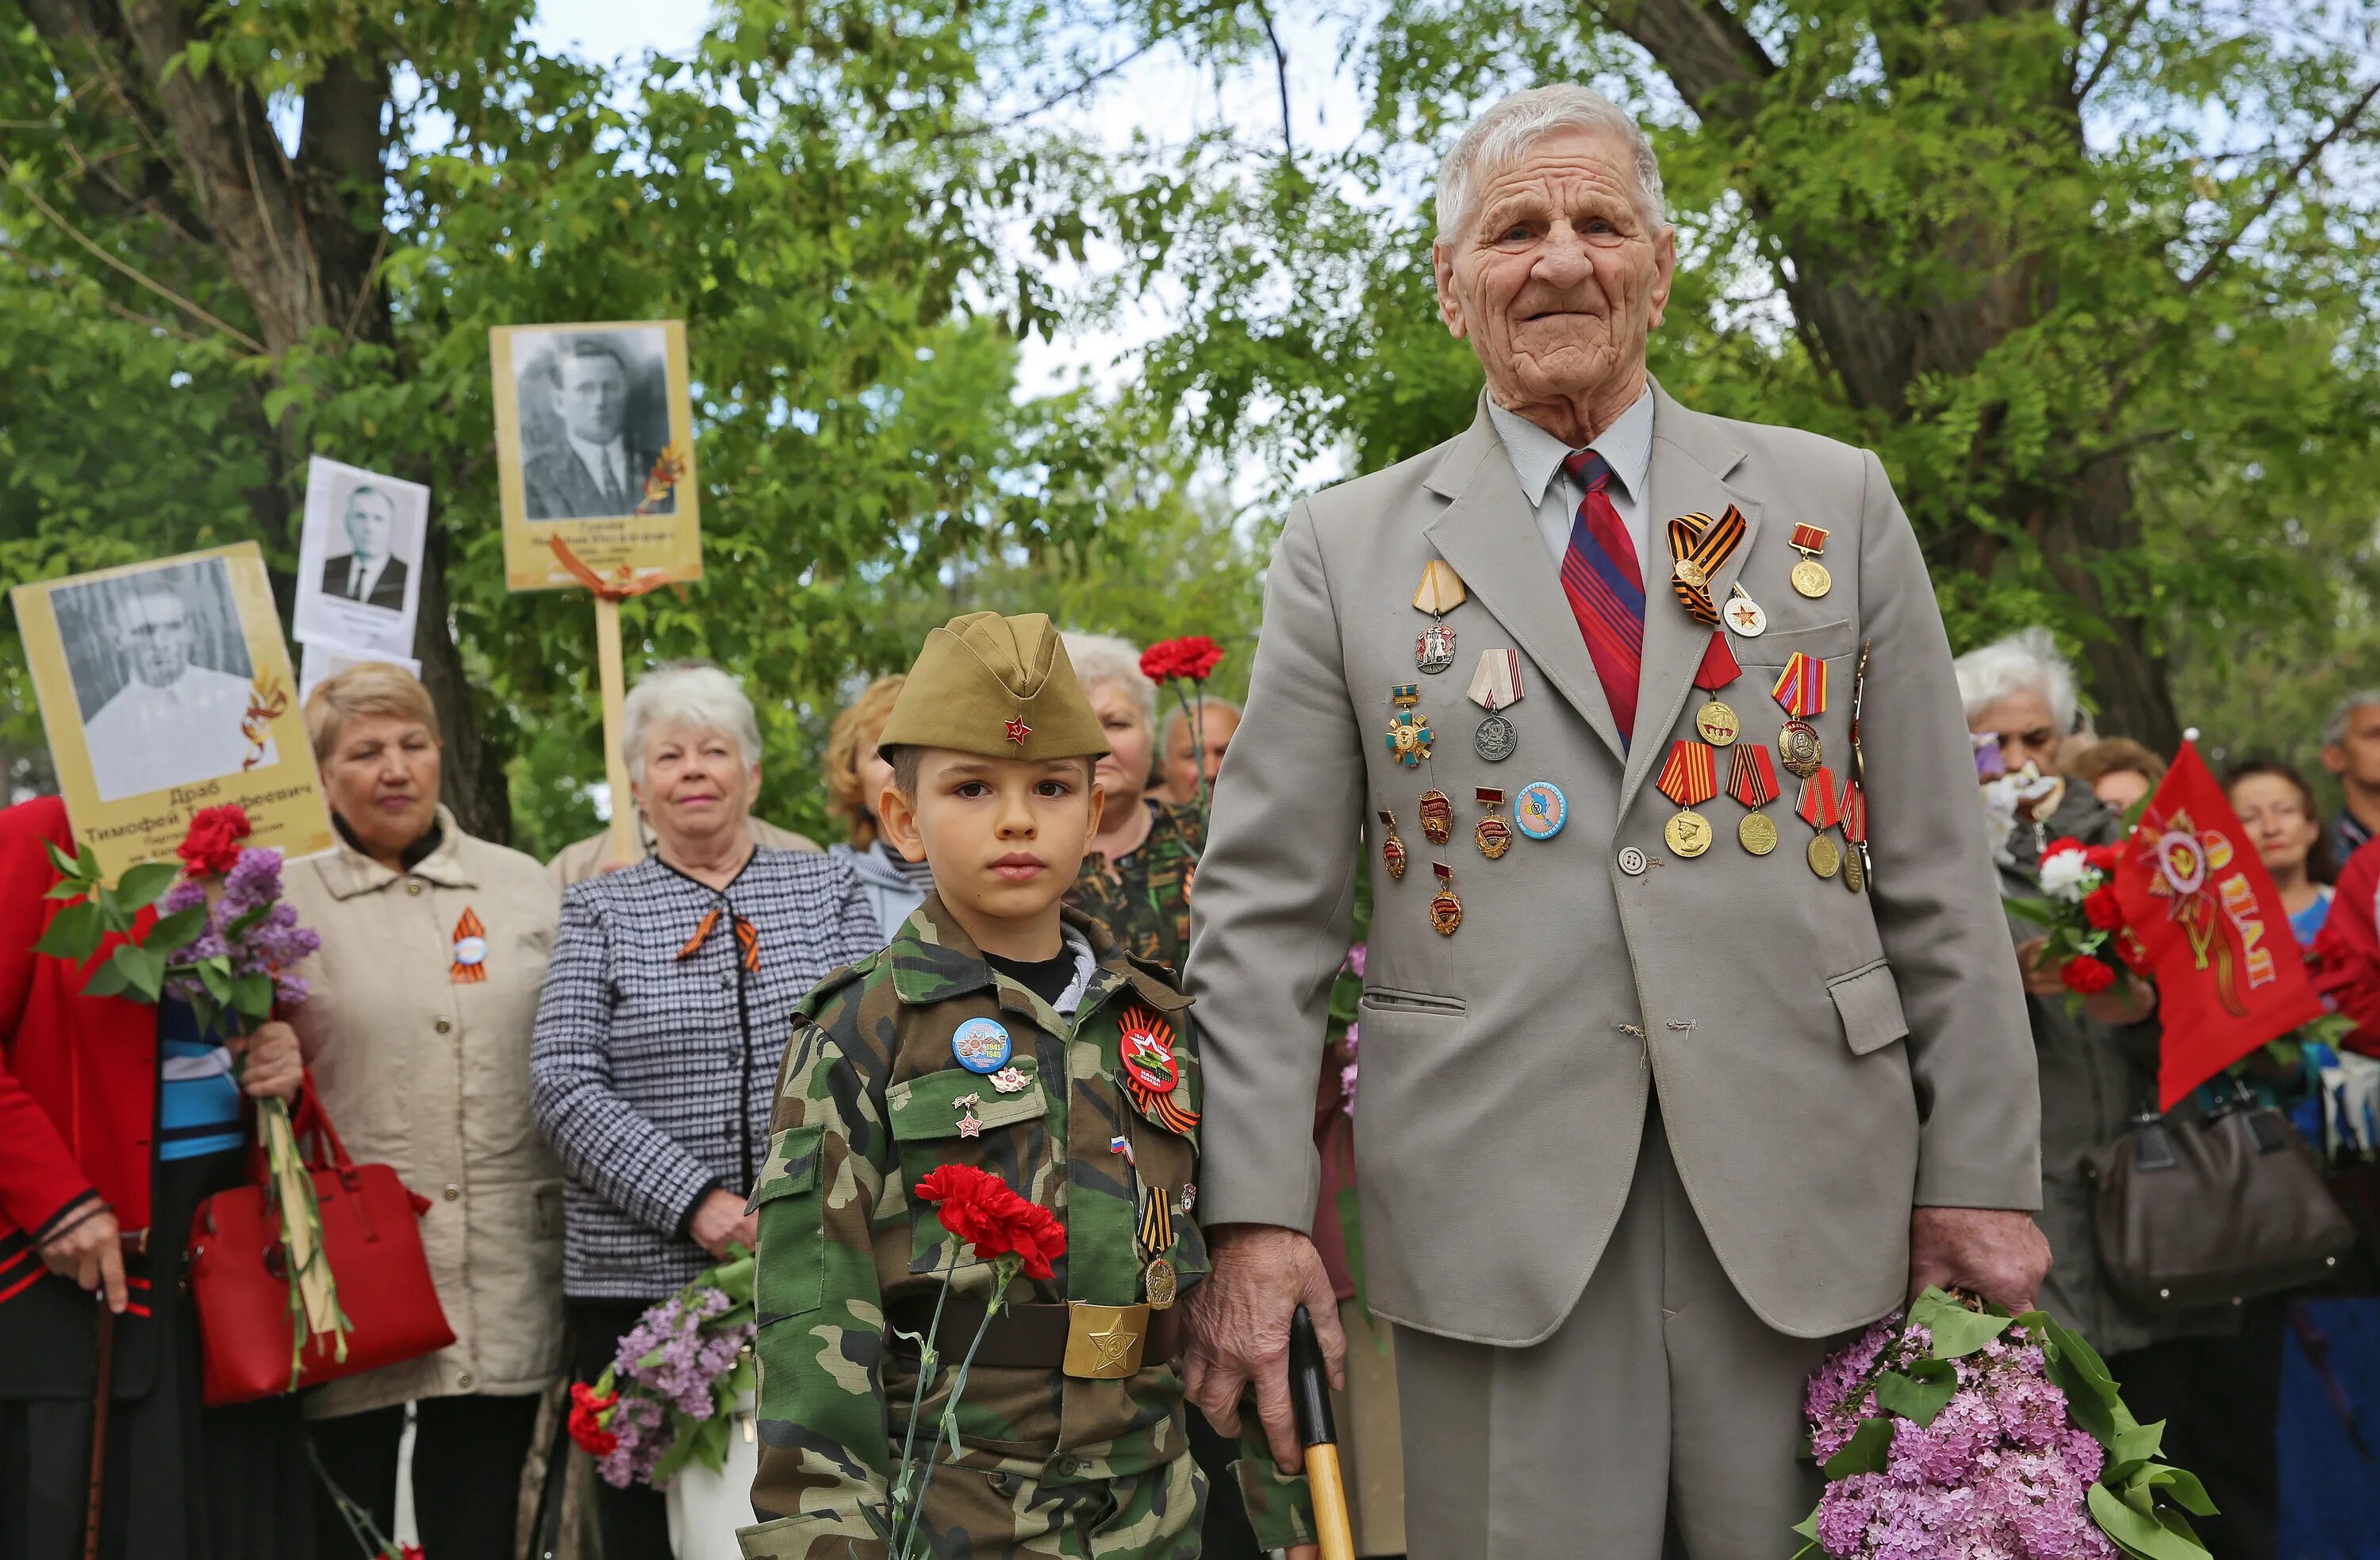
x=595, y=451
x=165, y=687
x=359, y=558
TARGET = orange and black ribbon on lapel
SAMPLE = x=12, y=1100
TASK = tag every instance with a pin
x=1699, y=548
x=746, y=934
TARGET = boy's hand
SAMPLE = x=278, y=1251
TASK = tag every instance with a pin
x=720, y=1219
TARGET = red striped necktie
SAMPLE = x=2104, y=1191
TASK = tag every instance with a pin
x=1605, y=586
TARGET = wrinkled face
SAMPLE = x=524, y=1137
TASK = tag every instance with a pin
x=383, y=774
x=1123, y=773
x=2355, y=757
x=370, y=517
x=594, y=397
x=1559, y=276
x=696, y=786
x=157, y=633
x=1184, y=767
x=2026, y=728
x=1006, y=836
x=2121, y=789
x=2278, y=824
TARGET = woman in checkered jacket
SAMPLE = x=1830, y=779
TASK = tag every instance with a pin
x=665, y=1011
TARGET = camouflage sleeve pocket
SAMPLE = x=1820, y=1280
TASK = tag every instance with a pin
x=789, y=1276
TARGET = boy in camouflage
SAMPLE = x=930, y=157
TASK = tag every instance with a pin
x=1002, y=1032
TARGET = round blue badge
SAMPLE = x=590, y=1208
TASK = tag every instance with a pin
x=1540, y=811
x=981, y=1045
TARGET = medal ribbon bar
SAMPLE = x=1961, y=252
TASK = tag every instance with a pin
x=1801, y=687
x=1699, y=547
x=1497, y=684
x=1752, y=775
x=1720, y=666
x=1820, y=807
x=1854, y=813
x=1809, y=539
x=1690, y=776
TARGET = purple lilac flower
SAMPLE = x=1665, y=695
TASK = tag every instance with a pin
x=188, y=894
x=1356, y=958
x=254, y=879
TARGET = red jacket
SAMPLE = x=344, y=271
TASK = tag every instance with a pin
x=78, y=1074
x=2346, y=954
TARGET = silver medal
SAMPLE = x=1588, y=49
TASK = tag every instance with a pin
x=1434, y=650
x=1496, y=739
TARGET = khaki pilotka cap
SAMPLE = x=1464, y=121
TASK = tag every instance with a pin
x=999, y=688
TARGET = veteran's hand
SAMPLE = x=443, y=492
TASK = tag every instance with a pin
x=1998, y=1253
x=719, y=1220
x=1239, y=1329
x=273, y=1068
x=2039, y=980
x=91, y=1253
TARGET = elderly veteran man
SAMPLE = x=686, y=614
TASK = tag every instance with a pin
x=1690, y=1036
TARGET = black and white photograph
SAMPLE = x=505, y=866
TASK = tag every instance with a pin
x=162, y=677
x=593, y=409
x=359, y=558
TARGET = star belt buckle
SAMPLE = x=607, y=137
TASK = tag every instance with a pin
x=1103, y=1343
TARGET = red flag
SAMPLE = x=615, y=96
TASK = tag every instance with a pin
x=2211, y=931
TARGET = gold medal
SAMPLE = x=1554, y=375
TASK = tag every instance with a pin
x=1688, y=572
x=1491, y=833
x=1409, y=735
x=1689, y=833
x=1798, y=749
x=1825, y=858
x=1393, y=849
x=1811, y=579
x=1718, y=725
x=1163, y=1284
x=1757, y=834
x=1854, y=874
x=1437, y=816
x=1445, y=909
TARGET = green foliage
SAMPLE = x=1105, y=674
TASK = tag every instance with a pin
x=98, y=910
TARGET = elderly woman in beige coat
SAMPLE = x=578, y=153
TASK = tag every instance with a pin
x=425, y=993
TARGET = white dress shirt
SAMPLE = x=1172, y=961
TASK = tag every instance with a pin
x=149, y=738
x=608, y=464
x=361, y=582
x=1626, y=447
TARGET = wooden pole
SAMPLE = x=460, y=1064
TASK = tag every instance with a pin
x=625, y=851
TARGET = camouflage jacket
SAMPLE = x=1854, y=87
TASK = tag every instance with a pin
x=1144, y=897
x=870, y=1100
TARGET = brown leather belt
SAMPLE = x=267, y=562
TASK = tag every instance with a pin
x=1091, y=1341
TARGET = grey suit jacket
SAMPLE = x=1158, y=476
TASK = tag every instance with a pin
x=557, y=486
x=1824, y=1059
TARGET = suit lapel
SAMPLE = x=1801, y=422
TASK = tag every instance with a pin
x=1489, y=534
x=1691, y=460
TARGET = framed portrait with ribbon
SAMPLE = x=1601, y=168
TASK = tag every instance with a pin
x=595, y=454
x=165, y=687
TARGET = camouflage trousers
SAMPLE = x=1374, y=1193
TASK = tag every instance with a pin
x=975, y=1514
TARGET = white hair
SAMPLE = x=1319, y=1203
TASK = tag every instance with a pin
x=686, y=696
x=2027, y=661
x=1103, y=658
x=2333, y=730
x=1516, y=123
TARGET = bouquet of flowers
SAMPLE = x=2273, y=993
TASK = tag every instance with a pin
x=1954, y=1433
x=2086, y=939
x=673, y=1385
x=223, y=942
x=1183, y=665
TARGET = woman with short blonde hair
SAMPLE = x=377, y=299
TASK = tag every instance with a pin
x=856, y=777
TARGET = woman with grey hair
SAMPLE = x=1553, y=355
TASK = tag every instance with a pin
x=663, y=1016
x=1136, y=875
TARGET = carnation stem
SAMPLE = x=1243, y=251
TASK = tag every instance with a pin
x=958, y=1386
x=925, y=1355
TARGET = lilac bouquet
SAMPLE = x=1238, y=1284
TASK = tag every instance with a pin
x=1957, y=1433
x=247, y=944
x=673, y=1383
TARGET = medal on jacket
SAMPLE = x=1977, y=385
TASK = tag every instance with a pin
x=1491, y=833
x=1744, y=613
x=1392, y=849
x=1445, y=909
x=1495, y=686
x=1690, y=778
x=981, y=1045
x=1441, y=593
x=1714, y=721
x=1151, y=1073
x=1854, y=838
x=1810, y=576
x=1699, y=548
x=1409, y=735
x=1752, y=780
x=1437, y=816
x=1800, y=691
x=1821, y=807
x=969, y=1124
x=470, y=965
x=1541, y=810
x=1154, y=1232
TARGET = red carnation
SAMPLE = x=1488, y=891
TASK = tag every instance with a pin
x=410, y=1551
x=2101, y=859
x=587, y=1408
x=1194, y=658
x=2102, y=908
x=2062, y=843
x=2082, y=973
x=212, y=848
x=979, y=1209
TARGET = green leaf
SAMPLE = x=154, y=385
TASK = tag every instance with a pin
x=73, y=933
x=67, y=888
x=105, y=980
x=1915, y=1400
x=174, y=932
x=142, y=885
x=144, y=971
x=64, y=864
x=2132, y=1445
x=2041, y=912
x=216, y=979
x=2181, y=1485
x=2138, y=1534
x=253, y=995
x=1865, y=1453
x=1956, y=1332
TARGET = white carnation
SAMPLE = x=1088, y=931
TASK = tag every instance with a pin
x=2065, y=875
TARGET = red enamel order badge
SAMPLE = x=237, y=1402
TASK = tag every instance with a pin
x=1147, y=1052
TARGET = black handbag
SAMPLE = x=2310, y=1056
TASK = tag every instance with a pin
x=2205, y=1212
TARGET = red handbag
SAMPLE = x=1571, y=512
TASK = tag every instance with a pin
x=237, y=1274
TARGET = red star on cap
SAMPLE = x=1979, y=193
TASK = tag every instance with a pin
x=1018, y=731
